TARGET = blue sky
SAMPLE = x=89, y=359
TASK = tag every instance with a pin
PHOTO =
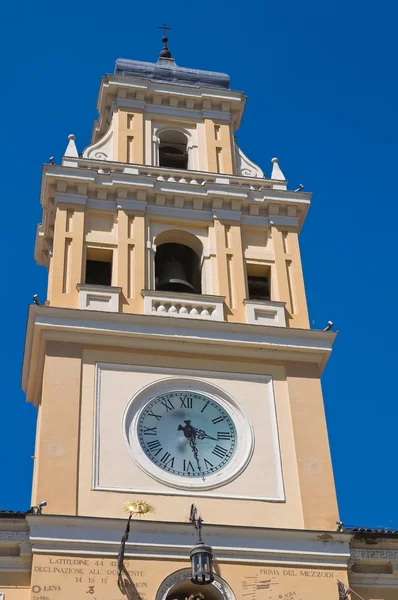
x=321, y=79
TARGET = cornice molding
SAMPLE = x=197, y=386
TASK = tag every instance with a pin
x=192, y=195
x=131, y=91
x=161, y=540
x=155, y=332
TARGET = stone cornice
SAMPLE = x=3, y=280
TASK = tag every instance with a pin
x=368, y=562
x=189, y=195
x=15, y=549
x=124, y=90
x=156, y=539
x=154, y=332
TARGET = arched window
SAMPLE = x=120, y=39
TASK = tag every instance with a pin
x=177, y=269
x=173, y=151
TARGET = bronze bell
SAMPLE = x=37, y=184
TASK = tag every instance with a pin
x=177, y=269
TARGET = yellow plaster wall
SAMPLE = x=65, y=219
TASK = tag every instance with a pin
x=126, y=233
x=312, y=447
x=16, y=593
x=231, y=278
x=289, y=277
x=67, y=261
x=129, y=144
x=64, y=450
x=56, y=463
x=147, y=575
x=131, y=271
x=172, y=507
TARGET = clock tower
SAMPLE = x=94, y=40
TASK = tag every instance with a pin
x=172, y=362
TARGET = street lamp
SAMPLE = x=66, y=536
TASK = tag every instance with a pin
x=201, y=555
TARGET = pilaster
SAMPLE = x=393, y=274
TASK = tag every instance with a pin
x=56, y=462
x=67, y=260
x=219, y=148
x=130, y=136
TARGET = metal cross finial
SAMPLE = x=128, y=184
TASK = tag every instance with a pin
x=196, y=521
x=165, y=53
x=165, y=28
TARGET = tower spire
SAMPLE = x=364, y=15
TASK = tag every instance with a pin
x=165, y=52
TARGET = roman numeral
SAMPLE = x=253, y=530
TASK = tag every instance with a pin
x=223, y=435
x=149, y=430
x=167, y=404
x=208, y=464
x=219, y=451
x=153, y=445
x=152, y=414
x=205, y=406
x=186, y=402
x=188, y=466
x=167, y=460
x=217, y=420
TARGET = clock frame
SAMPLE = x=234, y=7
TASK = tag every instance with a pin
x=243, y=441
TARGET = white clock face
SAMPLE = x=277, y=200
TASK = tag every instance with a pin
x=187, y=434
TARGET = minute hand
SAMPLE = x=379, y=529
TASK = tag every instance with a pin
x=201, y=435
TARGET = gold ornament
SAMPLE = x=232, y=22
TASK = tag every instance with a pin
x=138, y=508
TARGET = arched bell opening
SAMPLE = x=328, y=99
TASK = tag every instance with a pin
x=177, y=269
x=186, y=590
x=173, y=152
x=178, y=586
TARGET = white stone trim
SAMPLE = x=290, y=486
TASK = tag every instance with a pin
x=166, y=540
x=244, y=430
x=154, y=332
x=185, y=306
x=103, y=148
x=190, y=133
x=14, y=540
x=377, y=555
x=185, y=575
x=377, y=580
x=248, y=433
x=103, y=298
x=244, y=166
x=374, y=554
x=265, y=312
x=241, y=194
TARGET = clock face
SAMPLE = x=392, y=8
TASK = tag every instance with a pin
x=187, y=433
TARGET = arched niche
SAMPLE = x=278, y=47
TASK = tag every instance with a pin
x=173, y=149
x=178, y=262
x=179, y=236
x=178, y=586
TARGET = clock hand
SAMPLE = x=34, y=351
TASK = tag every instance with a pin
x=201, y=435
x=190, y=434
x=189, y=431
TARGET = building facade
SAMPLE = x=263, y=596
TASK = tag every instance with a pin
x=172, y=364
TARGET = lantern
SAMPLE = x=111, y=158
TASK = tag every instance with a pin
x=202, y=564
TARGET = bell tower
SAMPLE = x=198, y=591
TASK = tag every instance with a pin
x=172, y=361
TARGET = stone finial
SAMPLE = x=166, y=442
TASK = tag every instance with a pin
x=276, y=171
x=71, y=149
